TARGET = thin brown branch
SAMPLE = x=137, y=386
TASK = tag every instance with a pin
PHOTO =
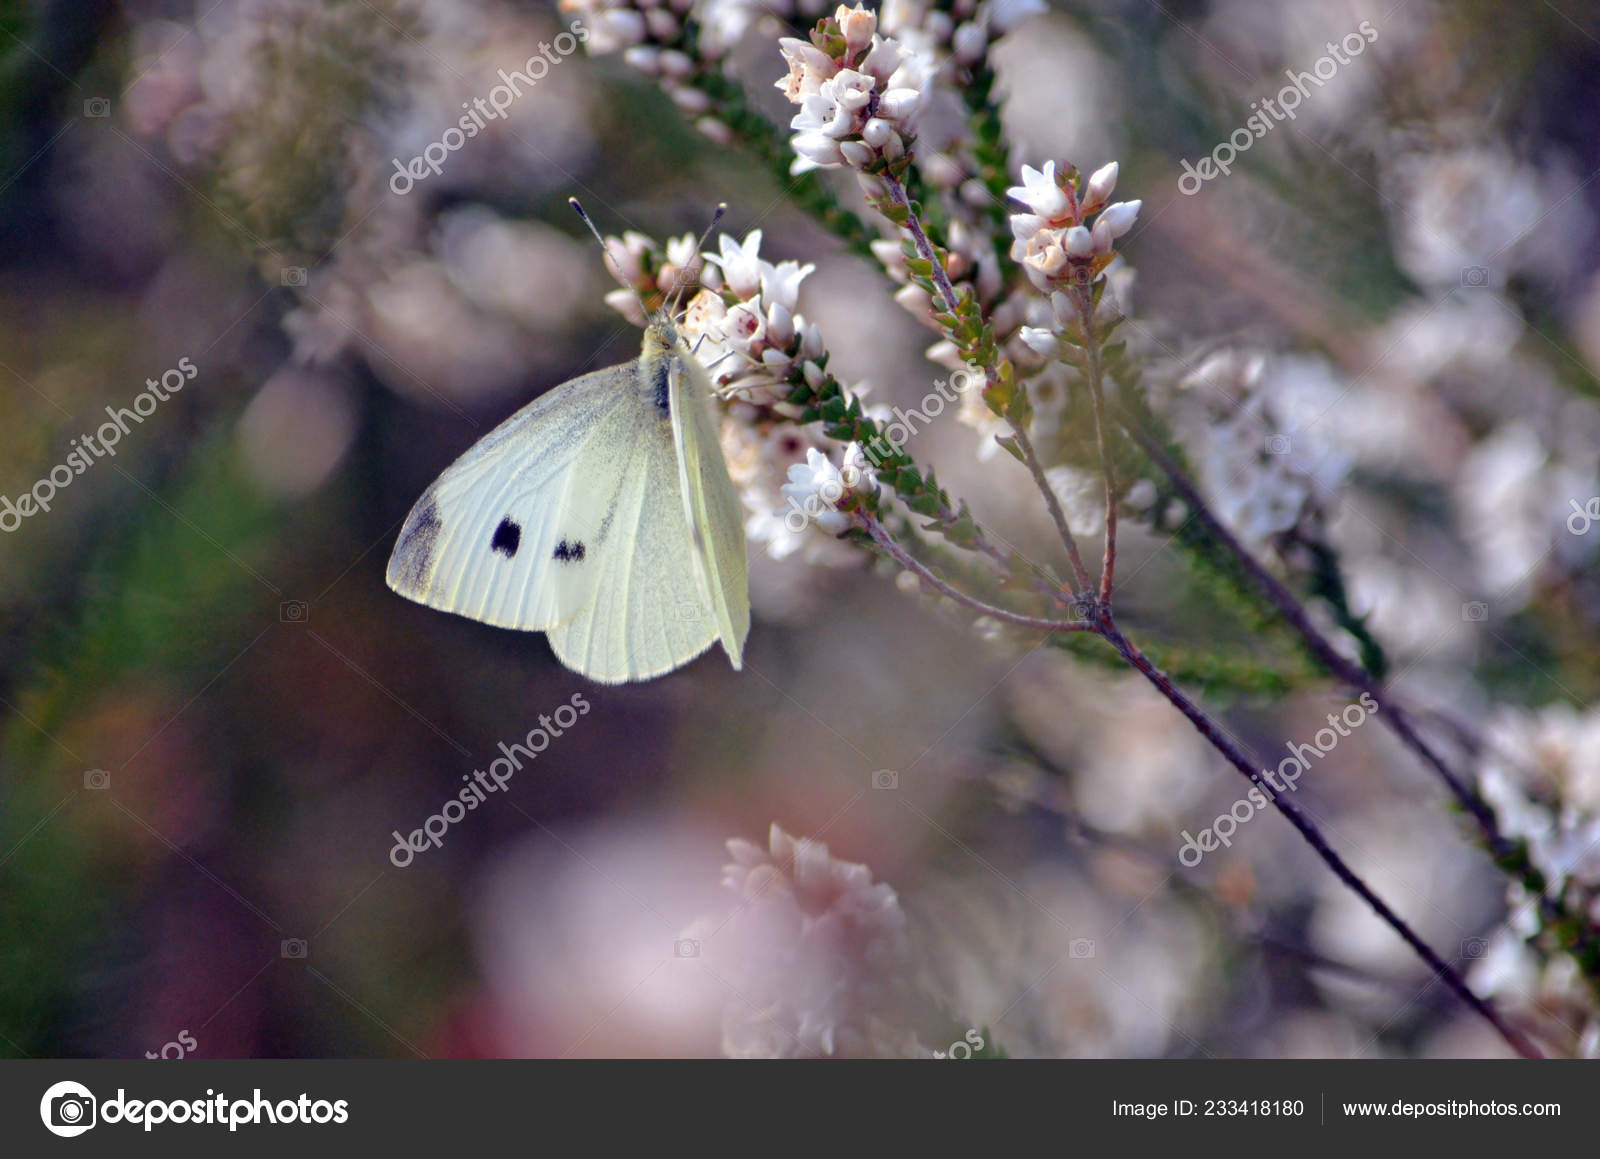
x=882, y=537
x=1083, y=298
x=1307, y=828
x=941, y=280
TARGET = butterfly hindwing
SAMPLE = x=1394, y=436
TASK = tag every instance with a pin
x=712, y=506
x=648, y=614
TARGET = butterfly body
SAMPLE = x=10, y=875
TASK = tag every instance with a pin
x=601, y=514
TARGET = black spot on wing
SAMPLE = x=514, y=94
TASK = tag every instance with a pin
x=413, y=553
x=569, y=552
x=507, y=538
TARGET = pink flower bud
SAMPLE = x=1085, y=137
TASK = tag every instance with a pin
x=858, y=25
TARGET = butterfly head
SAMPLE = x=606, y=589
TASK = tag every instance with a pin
x=661, y=331
x=661, y=336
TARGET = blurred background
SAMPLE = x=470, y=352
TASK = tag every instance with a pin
x=215, y=718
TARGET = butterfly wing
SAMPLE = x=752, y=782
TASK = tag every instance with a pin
x=710, y=503
x=508, y=533
x=568, y=518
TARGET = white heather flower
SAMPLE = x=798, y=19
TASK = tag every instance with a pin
x=816, y=487
x=722, y=24
x=1119, y=218
x=1047, y=395
x=644, y=57
x=877, y=132
x=857, y=154
x=614, y=28
x=1040, y=341
x=809, y=66
x=1141, y=495
x=852, y=89
x=858, y=26
x=816, y=954
x=1045, y=257
x=1082, y=498
x=740, y=263
x=968, y=43
x=1004, y=15
x=1098, y=190
x=832, y=129
x=815, y=151
x=1079, y=242
x=743, y=328
x=1040, y=193
x=884, y=61
x=1024, y=227
x=902, y=104
x=780, y=325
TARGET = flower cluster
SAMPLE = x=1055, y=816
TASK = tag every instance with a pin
x=674, y=42
x=959, y=32
x=816, y=954
x=817, y=489
x=859, y=93
x=1540, y=771
x=652, y=274
x=752, y=325
x=1054, y=241
x=745, y=328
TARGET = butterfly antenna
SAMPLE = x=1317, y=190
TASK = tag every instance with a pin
x=677, y=294
x=606, y=256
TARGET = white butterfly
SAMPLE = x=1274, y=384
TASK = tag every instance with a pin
x=601, y=514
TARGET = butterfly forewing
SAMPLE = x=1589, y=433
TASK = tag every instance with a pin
x=503, y=535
